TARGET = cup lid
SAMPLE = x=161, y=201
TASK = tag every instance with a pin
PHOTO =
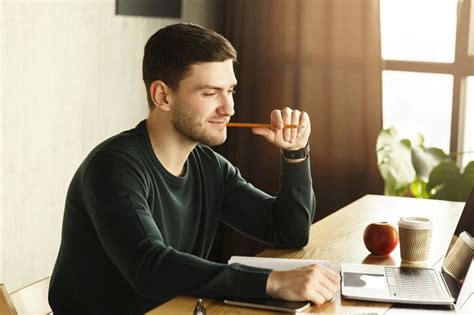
x=416, y=223
x=467, y=239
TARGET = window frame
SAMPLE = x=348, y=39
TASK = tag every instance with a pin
x=460, y=69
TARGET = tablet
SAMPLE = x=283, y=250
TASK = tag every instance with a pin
x=270, y=304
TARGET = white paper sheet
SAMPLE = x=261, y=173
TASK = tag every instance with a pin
x=276, y=263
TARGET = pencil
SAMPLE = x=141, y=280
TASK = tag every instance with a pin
x=254, y=125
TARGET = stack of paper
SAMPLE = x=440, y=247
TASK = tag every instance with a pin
x=276, y=263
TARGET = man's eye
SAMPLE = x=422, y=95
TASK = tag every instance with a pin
x=231, y=92
x=210, y=94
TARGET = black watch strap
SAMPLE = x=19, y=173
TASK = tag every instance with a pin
x=297, y=154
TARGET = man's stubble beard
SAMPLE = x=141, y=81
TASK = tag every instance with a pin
x=194, y=130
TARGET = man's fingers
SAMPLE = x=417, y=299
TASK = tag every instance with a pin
x=302, y=124
x=324, y=292
x=286, y=117
x=316, y=298
x=331, y=286
x=317, y=287
x=295, y=119
x=290, y=138
x=315, y=283
x=331, y=275
x=276, y=119
x=327, y=281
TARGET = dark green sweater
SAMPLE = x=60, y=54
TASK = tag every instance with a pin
x=135, y=236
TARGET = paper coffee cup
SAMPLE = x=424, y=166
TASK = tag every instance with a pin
x=459, y=256
x=415, y=239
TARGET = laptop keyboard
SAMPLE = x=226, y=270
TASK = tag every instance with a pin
x=413, y=283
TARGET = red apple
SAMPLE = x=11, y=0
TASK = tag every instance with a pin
x=380, y=238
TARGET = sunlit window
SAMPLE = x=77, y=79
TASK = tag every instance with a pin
x=418, y=103
x=469, y=122
x=418, y=30
x=427, y=54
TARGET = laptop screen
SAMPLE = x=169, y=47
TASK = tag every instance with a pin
x=467, y=218
x=465, y=223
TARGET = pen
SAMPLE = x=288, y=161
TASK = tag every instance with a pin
x=200, y=308
x=255, y=125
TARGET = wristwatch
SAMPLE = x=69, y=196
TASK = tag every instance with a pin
x=297, y=154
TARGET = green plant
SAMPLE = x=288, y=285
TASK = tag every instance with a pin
x=410, y=169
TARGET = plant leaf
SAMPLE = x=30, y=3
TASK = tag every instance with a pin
x=418, y=188
x=448, y=183
x=469, y=178
x=424, y=160
x=394, y=162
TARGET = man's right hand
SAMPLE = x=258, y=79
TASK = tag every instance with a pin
x=313, y=283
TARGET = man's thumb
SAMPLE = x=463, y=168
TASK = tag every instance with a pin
x=268, y=134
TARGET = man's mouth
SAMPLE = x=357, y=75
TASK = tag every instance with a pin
x=219, y=123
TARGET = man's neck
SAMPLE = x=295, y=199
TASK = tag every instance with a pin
x=169, y=146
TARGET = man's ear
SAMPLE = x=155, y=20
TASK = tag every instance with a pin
x=160, y=95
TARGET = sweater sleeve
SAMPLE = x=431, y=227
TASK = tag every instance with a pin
x=283, y=221
x=115, y=193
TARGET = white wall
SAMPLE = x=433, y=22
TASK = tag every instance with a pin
x=1, y=140
x=71, y=77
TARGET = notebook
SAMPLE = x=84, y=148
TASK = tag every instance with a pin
x=275, y=264
x=425, y=286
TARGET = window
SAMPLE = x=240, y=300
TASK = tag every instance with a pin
x=428, y=71
x=417, y=102
x=468, y=145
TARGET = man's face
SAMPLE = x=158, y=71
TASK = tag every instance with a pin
x=203, y=102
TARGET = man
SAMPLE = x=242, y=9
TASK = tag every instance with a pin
x=142, y=209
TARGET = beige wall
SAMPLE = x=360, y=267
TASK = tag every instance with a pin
x=2, y=84
x=70, y=74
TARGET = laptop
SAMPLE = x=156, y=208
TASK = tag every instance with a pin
x=410, y=285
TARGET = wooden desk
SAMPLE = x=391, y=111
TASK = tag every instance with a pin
x=338, y=238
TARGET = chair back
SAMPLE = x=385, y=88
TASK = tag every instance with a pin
x=6, y=305
x=33, y=298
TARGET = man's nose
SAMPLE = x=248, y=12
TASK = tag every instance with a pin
x=227, y=106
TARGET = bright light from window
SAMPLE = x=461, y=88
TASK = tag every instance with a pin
x=418, y=103
x=469, y=123
x=418, y=30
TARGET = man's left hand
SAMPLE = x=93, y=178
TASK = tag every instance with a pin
x=287, y=138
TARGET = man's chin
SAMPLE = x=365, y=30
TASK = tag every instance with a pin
x=212, y=142
x=215, y=143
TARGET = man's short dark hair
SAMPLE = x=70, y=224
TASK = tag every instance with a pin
x=172, y=50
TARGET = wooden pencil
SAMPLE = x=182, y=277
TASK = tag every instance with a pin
x=256, y=125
